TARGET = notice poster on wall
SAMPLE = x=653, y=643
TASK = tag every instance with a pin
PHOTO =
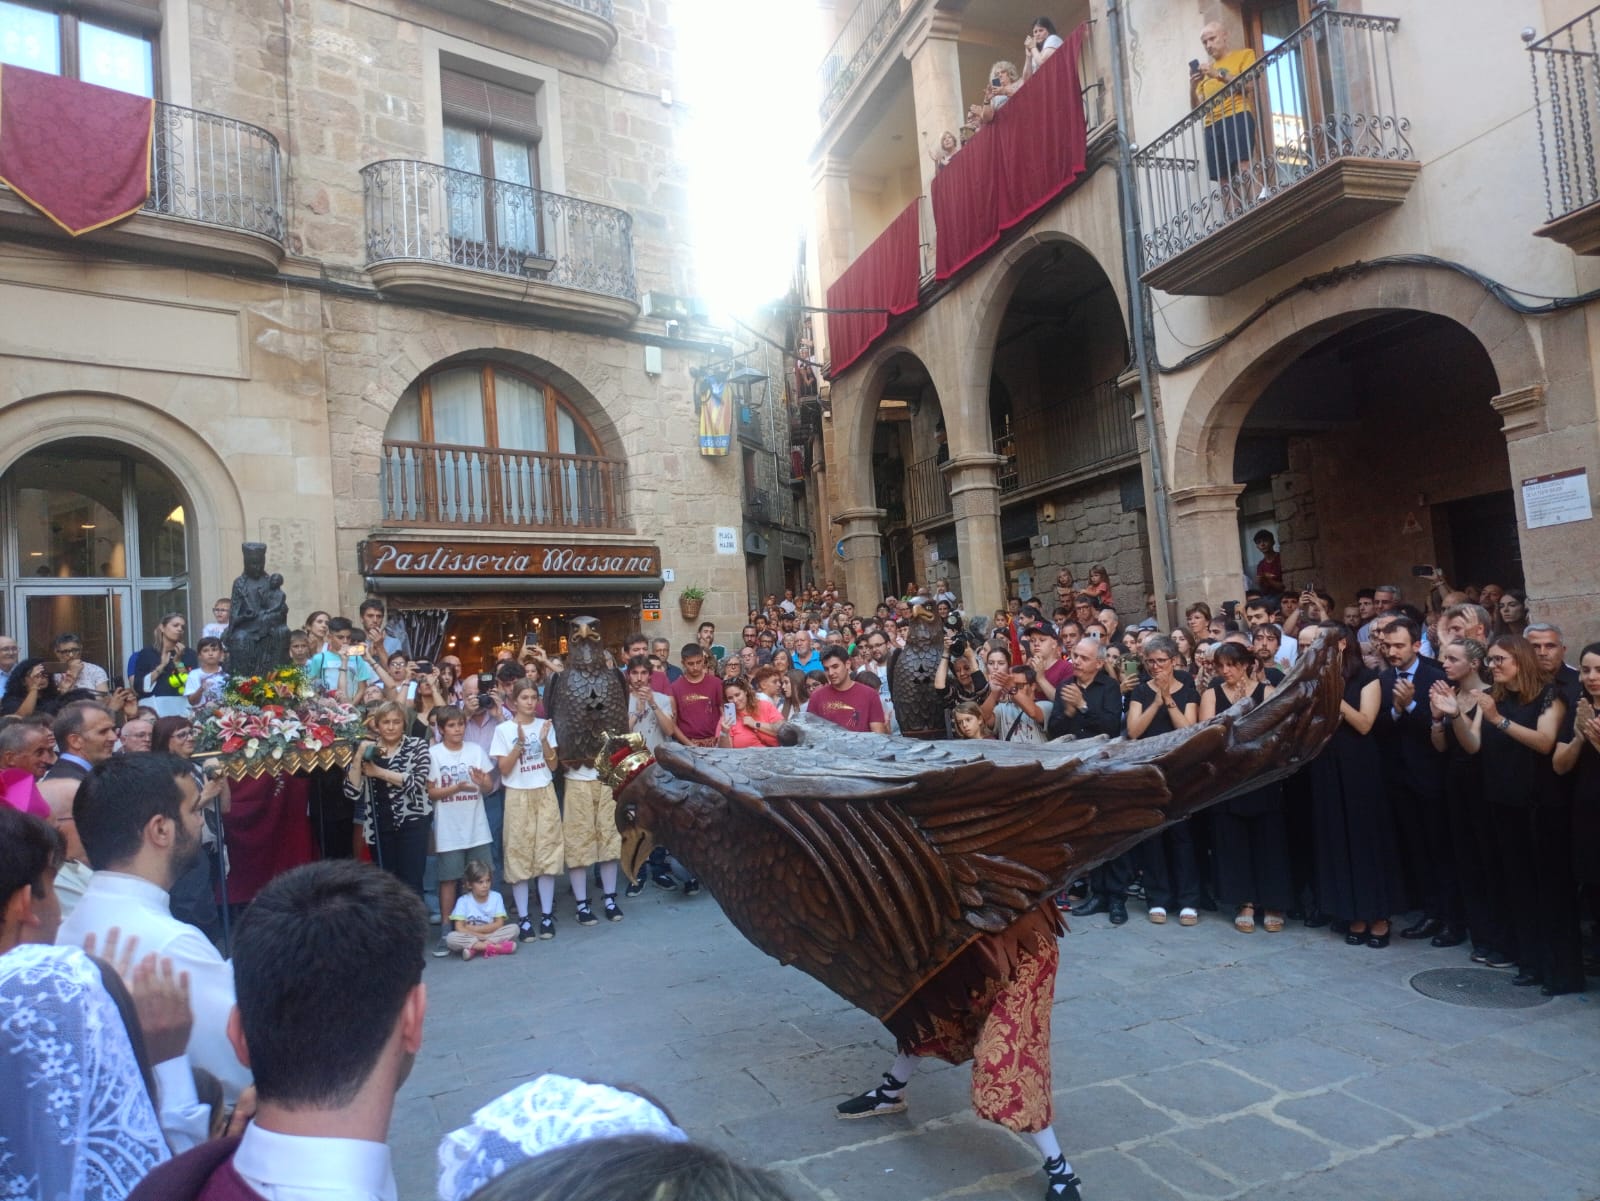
x=1557, y=499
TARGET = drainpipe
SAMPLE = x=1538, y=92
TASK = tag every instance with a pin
x=1143, y=343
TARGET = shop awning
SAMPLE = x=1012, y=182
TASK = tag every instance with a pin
x=388, y=585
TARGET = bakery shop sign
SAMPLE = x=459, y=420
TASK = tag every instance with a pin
x=389, y=558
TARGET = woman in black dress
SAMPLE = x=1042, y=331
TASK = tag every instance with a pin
x=1163, y=703
x=1249, y=838
x=1579, y=757
x=1357, y=865
x=1453, y=702
x=1521, y=718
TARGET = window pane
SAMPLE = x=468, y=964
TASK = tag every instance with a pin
x=96, y=620
x=458, y=407
x=30, y=38
x=519, y=409
x=405, y=423
x=573, y=441
x=464, y=193
x=115, y=60
x=511, y=161
x=163, y=523
x=69, y=530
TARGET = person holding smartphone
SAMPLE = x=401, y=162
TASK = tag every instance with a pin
x=1229, y=119
x=161, y=670
x=345, y=669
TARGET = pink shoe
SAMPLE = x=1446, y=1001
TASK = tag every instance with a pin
x=491, y=949
x=505, y=948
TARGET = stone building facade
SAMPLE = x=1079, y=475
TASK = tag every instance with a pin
x=392, y=287
x=1372, y=334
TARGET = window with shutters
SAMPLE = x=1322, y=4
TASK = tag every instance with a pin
x=491, y=144
x=109, y=43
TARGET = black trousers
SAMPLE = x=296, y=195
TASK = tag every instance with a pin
x=1112, y=878
x=1535, y=854
x=1427, y=851
x=404, y=851
x=1482, y=884
x=1252, y=858
x=1171, y=871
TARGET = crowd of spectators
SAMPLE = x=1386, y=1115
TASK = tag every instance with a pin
x=1004, y=80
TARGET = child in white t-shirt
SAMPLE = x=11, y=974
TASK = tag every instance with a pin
x=205, y=684
x=459, y=774
x=478, y=917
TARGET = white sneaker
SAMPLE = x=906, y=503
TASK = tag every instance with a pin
x=1158, y=915
x=1188, y=917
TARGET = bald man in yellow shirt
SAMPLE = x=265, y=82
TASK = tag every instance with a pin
x=1230, y=123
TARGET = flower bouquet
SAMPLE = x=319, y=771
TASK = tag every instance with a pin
x=276, y=724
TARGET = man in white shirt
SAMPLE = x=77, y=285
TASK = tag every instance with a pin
x=139, y=818
x=9, y=652
x=328, y=1058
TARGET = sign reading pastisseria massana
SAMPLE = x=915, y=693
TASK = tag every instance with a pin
x=415, y=557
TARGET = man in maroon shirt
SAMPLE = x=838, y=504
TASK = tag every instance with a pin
x=844, y=702
x=696, y=698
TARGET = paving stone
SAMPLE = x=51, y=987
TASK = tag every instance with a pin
x=922, y=1163
x=1584, y=1092
x=1429, y=1094
x=1297, y=1065
x=835, y=1072
x=1344, y=1119
x=1372, y=1038
x=1179, y=1170
x=1113, y=1175
x=1452, y=1024
x=1202, y=1090
x=1252, y=1149
x=1250, y=1019
x=1516, y=1069
x=1106, y=1115
x=1549, y=1129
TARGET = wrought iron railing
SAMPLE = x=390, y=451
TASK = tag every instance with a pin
x=215, y=169
x=758, y=506
x=1070, y=436
x=426, y=484
x=853, y=50
x=1565, y=66
x=1325, y=93
x=428, y=213
x=604, y=9
x=927, y=491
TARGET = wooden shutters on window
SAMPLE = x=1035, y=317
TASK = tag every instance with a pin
x=488, y=107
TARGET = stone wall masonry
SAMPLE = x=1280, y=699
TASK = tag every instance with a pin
x=1091, y=527
x=1294, y=508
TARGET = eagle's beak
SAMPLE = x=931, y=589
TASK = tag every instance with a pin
x=637, y=844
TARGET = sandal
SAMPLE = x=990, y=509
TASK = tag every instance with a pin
x=1245, y=920
x=1272, y=923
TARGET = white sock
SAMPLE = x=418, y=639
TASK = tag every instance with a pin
x=547, y=894
x=578, y=877
x=608, y=877
x=1049, y=1147
x=519, y=893
x=904, y=1065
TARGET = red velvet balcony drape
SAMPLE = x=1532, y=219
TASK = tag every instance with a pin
x=1011, y=168
x=77, y=152
x=884, y=277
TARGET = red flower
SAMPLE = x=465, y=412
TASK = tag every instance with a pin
x=232, y=745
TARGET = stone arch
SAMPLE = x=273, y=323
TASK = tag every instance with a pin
x=1236, y=376
x=35, y=422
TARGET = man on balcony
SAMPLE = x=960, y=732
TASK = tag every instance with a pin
x=1229, y=121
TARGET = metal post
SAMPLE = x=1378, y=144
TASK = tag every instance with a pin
x=1143, y=341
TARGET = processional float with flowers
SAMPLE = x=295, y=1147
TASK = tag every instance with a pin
x=276, y=724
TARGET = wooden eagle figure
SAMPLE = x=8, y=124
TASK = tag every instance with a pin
x=586, y=699
x=872, y=863
x=911, y=667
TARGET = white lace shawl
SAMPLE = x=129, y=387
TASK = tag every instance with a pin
x=76, y=1121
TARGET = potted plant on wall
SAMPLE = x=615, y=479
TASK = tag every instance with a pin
x=689, y=602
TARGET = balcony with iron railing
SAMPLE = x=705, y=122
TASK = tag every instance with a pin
x=1300, y=147
x=438, y=232
x=1565, y=67
x=428, y=485
x=927, y=493
x=215, y=194
x=1074, y=438
x=853, y=51
x=586, y=27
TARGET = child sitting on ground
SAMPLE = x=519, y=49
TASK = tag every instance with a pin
x=479, y=917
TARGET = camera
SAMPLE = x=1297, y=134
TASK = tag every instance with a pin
x=958, y=646
x=368, y=755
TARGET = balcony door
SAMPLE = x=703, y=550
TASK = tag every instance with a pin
x=491, y=144
x=1287, y=111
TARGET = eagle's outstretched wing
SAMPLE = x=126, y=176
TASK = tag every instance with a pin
x=870, y=861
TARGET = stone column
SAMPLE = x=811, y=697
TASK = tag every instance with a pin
x=935, y=86
x=975, y=501
x=1208, y=563
x=830, y=202
x=863, y=554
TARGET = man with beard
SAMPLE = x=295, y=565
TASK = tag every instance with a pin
x=140, y=817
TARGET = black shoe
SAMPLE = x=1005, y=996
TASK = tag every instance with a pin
x=1378, y=941
x=1062, y=1185
x=635, y=887
x=1316, y=921
x=613, y=914
x=1496, y=959
x=1552, y=990
x=1118, y=909
x=1425, y=927
x=1355, y=940
x=547, y=926
x=1450, y=936
x=691, y=886
x=1090, y=905
x=665, y=881
x=525, y=931
x=1525, y=980
x=586, y=915
x=887, y=1098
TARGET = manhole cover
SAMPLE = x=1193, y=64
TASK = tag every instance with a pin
x=1476, y=987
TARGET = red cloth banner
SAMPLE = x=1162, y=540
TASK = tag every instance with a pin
x=885, y=276
x=1013, y=167
x=77, y=152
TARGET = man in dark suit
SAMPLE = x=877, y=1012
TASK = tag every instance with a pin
x=1413, y=775
x=85, y=735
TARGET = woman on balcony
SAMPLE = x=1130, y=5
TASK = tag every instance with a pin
x=1042, y=41
x=1229, y=122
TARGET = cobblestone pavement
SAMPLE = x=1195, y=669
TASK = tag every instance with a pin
x=1195, y=1063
